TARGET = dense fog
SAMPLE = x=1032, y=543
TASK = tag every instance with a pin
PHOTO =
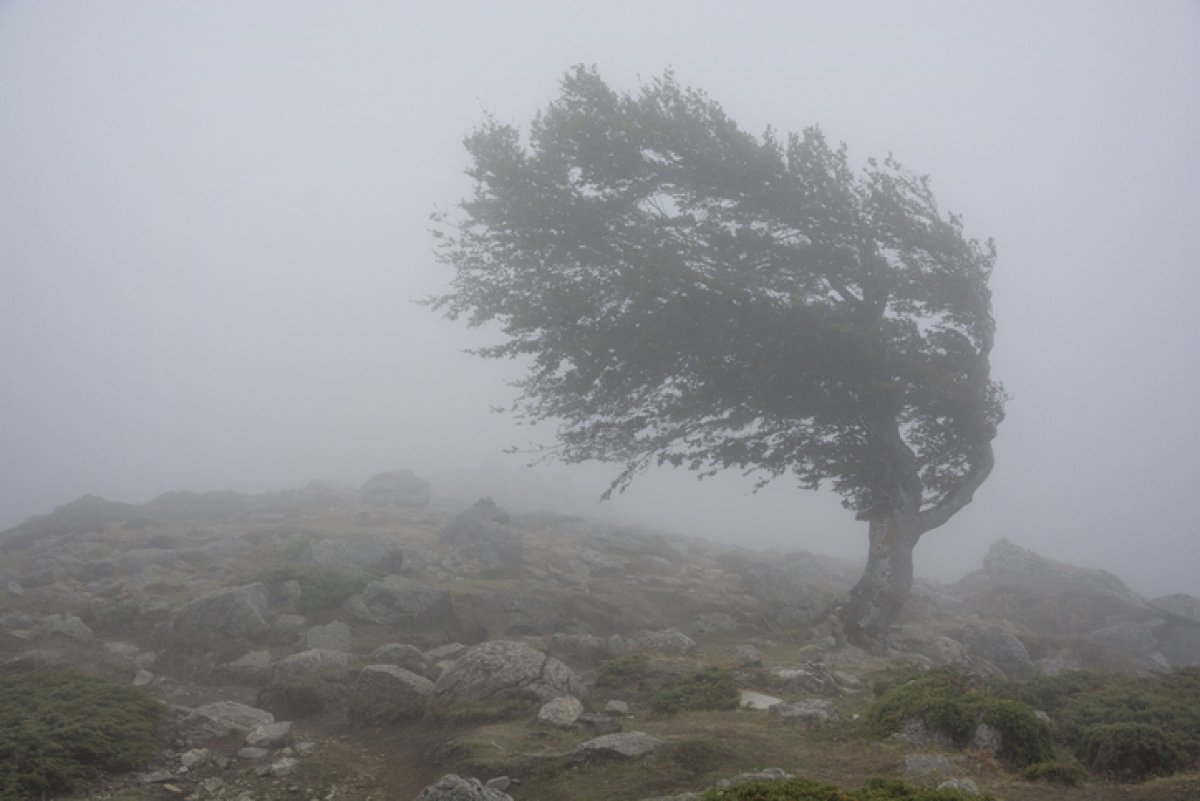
x=214, y=234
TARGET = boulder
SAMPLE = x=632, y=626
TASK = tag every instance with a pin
x=387, y=694
x=482, y=537
x=503, y=669
x=270, y=735
x=944, y=651
x=335, y=636
x=1002, y=649
x=68, y=626
x=1129, y=646
x=356, y=553
x=757, y=701
x=667, y=641
x=811, y=710
x=218, y=719
x=400, y=488
x=396, y=599
x=1015, y=569
x=625, y=745
x=314, y=660
x=1181, y=604
x=408, y=657
x=455, y=788
x=505, y=612
x=563, y=711
x=236, y=612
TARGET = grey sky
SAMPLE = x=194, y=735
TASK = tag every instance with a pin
x=213, y=228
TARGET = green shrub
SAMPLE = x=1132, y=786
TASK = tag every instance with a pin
x=809, y=790
x=950, y=704
x=1118, y=725
x=58, y=729
x=321, y=588
x=1132, y=751
x=622, y=671
x=702, y=688
x=1056, y=771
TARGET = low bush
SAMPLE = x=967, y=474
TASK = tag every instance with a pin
x=948, y=703
x=1121, y=726
x=622, y=671
x=59, y=729
x=1056, y=771
x=702, y=688
x=1132, y=751
x=808, y=790
x=321, y=588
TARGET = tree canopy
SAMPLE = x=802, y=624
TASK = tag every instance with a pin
x=691, y=294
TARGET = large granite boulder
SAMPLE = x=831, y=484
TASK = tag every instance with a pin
x=1181, y=604
x=356, y=553
x=304, y=663
x=236, y=612
x=386, y=694
x=397, y=599
x=210, y=721
x=1002, y=649
x=401, y=488
x=501, y=669
x=505, y=612
x=482, y=538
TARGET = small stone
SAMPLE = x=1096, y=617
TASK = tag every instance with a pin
x=615, y=707
x=562, y=711
x=963, y=785
x=142, y=678
x=283, y=767
x=194, y=757
x=270, y=735
x=304, y=746
x=500, y=783
x=757, y=701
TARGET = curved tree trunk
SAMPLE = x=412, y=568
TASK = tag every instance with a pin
x=866, y=616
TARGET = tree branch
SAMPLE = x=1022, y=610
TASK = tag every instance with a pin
x=961, y=495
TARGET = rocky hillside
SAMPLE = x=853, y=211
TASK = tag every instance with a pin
x=333, y=644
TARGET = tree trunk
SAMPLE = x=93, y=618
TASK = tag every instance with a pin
x=866, y=616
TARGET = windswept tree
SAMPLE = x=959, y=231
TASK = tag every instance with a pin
x=689, y=294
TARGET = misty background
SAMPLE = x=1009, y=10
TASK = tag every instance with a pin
x=213, y=234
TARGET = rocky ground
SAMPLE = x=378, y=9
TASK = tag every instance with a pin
x=333, y=644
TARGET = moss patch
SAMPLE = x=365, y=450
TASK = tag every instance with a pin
x=702, y=688
x=58, y=729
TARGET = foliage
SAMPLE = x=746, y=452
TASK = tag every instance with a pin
x=1132, y=750
x=321, y=587
x=622, y=671
x=1121, y=725
x=809, y=790
x=1056, y=771
x=702, y=688
x=58, y=728
x=947, y=702
x=690, y=294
